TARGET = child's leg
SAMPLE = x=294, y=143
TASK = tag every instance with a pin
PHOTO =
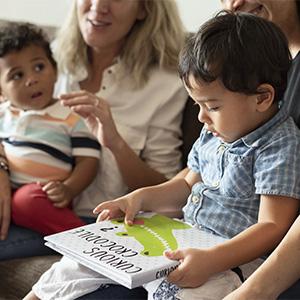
x=32, y=209
x=67, y=279
x=216, y=288
x=31, y=296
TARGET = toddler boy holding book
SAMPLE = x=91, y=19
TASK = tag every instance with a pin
x=243, y=181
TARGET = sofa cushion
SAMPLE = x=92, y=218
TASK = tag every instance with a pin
x=17, y=276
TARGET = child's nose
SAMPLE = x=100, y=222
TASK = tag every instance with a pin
x=31, y=80
x=203, y=117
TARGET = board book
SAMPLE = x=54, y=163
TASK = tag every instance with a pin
x=130, y=255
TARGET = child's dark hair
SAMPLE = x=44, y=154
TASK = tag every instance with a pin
x=15, y=36
x=241, y=50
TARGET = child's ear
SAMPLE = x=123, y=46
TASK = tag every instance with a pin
x=265, y=98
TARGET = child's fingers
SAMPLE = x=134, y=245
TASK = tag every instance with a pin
x=176, y=276
x=61, y=204
x=104, y=215
x=55, y=197
x=174, y=255
x=129, y=217
x=49, y=186
x=101, y=207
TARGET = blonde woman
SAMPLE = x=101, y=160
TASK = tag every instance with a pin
x=117, y=62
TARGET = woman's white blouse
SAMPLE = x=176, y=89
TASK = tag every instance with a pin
x=147, y=118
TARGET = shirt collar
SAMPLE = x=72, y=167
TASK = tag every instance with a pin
x=55, y=110
x=252, y=138
x=81, y=72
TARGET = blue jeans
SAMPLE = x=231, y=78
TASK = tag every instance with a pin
x=116, y=292
x=22, y=242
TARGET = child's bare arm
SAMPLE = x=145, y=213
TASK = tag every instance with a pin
x=84, y=172
x=166, y=198
x=276, y=215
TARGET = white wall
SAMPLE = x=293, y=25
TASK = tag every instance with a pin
x=52, y=12
x=44, y=12
x=195, y=12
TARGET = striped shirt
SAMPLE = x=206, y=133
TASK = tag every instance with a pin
x=264, y=162
x=41, y=145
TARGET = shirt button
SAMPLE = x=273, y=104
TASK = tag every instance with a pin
x=216, y=184
x=104, y=88
x=221, y=148
x=109, y=71
x=195, y=199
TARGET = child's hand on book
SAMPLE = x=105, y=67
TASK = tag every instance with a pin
x=127, y=206
x=196, y=266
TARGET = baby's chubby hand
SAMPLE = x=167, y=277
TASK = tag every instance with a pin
x=58, y=193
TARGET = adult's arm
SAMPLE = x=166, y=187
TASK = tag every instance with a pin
x=5, y=200
x=277, y=273
x=136, y=171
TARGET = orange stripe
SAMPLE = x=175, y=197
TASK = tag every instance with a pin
x=35, y=169
x=70, y=121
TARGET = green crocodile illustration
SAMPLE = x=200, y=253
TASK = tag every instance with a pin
x=154, y=233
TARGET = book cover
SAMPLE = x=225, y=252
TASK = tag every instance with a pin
x=130, y=255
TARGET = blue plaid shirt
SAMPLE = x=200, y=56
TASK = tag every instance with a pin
x=264, y=162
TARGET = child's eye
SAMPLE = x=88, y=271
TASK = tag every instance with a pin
x=212, y=109
x=39, y=67
x=16, y=76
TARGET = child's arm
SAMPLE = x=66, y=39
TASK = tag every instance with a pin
x=276, y=215
x=166, y=198
x=277, y=273
x=84, y=172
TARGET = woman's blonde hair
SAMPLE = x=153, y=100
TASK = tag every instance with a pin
x=154, y=41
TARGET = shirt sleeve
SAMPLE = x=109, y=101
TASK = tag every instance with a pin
x=277, y=167
x=83, y=141
x=162, y=146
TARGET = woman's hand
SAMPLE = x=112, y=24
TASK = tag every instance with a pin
x=97, y=115
x=5, y=204
x=127, y=206
x=196, y=266
x=58, y=193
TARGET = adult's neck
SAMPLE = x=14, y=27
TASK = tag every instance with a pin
x=99, y=60
x=292, y=31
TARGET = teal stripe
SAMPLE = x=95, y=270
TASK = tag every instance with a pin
x=48, y=135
